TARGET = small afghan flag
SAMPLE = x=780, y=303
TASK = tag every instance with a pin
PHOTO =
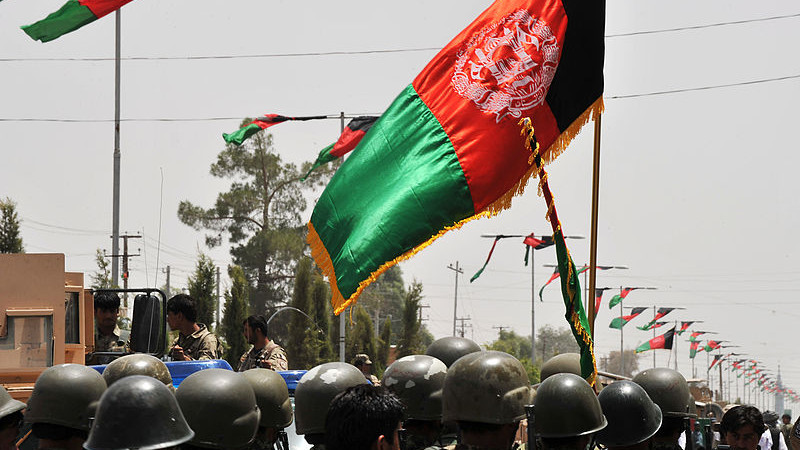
x=659, y=314
x=717, y=358
x=73, y=15
x=556, y=275
x=242, y=134
x=598, y=297
x=693, y=348
x=694, y=335
x=684, y=326
x=664, y=341
x=712, y=345
x=535, y=243
x=349, y=139
x=620, y=322
x=621, y=296
x=448, y=149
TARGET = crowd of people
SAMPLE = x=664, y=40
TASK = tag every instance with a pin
x=456, y=396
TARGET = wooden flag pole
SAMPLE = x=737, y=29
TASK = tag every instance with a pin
x=593, y=239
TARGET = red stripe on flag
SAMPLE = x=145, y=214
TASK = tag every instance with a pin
x=101, y=8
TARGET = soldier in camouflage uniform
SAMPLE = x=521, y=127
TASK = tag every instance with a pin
x=263, y=352
x=364, y=364
x=107, y=335
x=194, y=341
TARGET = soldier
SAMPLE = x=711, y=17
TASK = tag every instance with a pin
x=272, y=397
x=669, y=390
x=786, y=430
x=364, y=364
x=220, y=406
x=449, y=349
x=107, y=335
x=137, y=364
x=417, y=380
x=741, y=427
x=486, y=393
x=563, y=363
x=194, y=341
x=772, y=439
x=263, y=352
x=63, y=401
x=313, y=395
x=138, y=412
x=567, y=413
x=364, y=417
x=632, y=417
x=10, y=420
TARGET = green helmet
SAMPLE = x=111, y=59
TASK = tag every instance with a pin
x=272, y=397
x=632, y=416
x=66, y=395
x=566, y=406
x=449, y=349
x=7, y=404
x=138, y=412
x=316, y=389
x=220, y=406
x=667, y=388
x=417, y=380
x=563, y=363
x=488, y=387
x=137, y=364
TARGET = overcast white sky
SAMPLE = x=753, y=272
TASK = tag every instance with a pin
x=698, y=188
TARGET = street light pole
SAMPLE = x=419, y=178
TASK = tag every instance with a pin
x=457, y=270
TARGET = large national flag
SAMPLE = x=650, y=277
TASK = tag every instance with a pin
x=621, y=321
x=349, y=139
x=262, y=123
x=71, y=16
x=448, y=149
x=621, y=296
x=664, y=341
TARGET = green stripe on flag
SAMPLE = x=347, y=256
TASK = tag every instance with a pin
x=413, y=190
x=643, y=348
x=68, y=18
x=324, y=157
x=617, y=323
x=241, y=135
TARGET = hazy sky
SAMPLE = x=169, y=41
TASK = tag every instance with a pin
x=697, y=197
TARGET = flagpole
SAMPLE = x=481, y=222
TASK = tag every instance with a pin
x=674, y=344
x=533, y=310
x=593, y=244
x=654, y=336
x=342, y=323
x=117, y=158
x=621, y=348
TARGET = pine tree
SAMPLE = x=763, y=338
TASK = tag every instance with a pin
x=202, y=285
x=301, y=345
x=236, y=311
x=410, y=341
x=360, y=337
x=384, y=344
x=10, y=239
x=320, y=305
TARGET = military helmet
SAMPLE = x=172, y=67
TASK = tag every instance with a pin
x=137, y=364
x=316, y=389
x=272, y=397
x=7, y=404
x=449, y=349
x=566, y=406
x=488, y=387
x=632, y=416
x=220, y=406
x=138, y=412
x=668, y=389
x=417, y=380
x=66, y=395
x=563, y=363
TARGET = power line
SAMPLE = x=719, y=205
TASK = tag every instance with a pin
x=703, y=88
x=699, y=27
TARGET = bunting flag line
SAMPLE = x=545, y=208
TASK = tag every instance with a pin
x=532, y=241
x=71, y=16
x=262, y=123
x=620, y=321
x=717, y=358
x=659, y=314
x=448, y=150
x=621, y=296
x=347, y=142
x=598, y=297
x=684, y=326
x=664, y=341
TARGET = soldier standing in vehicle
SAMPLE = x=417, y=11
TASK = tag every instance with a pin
x=263, y=353
x=107, y=335
x=364, y=364
x=194, y=341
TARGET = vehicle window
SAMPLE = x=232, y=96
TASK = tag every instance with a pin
x=29, y=342
x=73, y=322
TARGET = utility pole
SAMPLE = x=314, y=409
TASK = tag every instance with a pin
x=500, y=327
x=457, y=270
x=166, y=271
x=125, y=256
x=420, y=312
x=463, y=321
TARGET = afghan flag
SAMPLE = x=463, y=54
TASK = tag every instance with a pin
x=621, y=296
x=73, y=15
x=717, y=358
x=684, y=326
x=664, y=341
x=532, y=242
x=552, y=277
x=448, y=149
x=598, y=297
x=693, y=348
x=621, y=321
x=491, y=250
x=694, y=335
x=659, y=314
x=712, y=345
x=349, y=139
x=262, y=123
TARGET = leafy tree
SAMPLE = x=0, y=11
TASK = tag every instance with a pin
x=384, y=344
x=410, y=342
x=236, y=311
x=10, y=239
x=201, y=287
x=551, y=341
x=612, y=363
x=260, y=215
x=360, y=336
x=102, y=278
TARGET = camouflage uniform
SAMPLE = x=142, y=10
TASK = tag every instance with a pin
x=117, y=341
x=202, y=344
x=272, y=356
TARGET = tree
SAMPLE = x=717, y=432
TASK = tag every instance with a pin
x=612, y=363
x=321, y=307
x=102, y=278
x=260, y=215
x=360, y=336
x=551, y=341
x=384, y=344
x=302, y=343
x=410, y=342
x=10, y=239
x=235, y=313
x=202, y=285
x=385, y=297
